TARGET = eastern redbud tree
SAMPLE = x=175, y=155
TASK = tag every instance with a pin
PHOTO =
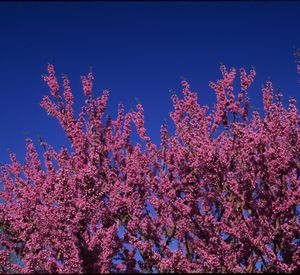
x=220, y=194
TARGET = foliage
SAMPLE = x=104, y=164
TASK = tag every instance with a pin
x=218, y=195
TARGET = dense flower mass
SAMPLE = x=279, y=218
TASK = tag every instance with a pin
x=221, y=194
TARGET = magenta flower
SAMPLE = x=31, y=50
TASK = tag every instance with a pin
x=221, y=194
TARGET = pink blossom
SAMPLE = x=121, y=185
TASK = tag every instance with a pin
x=220, y=194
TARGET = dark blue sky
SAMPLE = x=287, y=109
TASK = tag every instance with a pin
x=136, y=49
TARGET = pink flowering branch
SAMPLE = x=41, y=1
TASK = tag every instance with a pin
x=218, y=195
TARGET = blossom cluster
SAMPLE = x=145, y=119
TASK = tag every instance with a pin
x=220, y=194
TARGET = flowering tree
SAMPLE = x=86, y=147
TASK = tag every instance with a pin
x=221, y=194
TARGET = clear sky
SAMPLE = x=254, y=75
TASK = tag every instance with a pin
x=136, y=49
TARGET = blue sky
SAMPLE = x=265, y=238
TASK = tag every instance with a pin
x=136, y=49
